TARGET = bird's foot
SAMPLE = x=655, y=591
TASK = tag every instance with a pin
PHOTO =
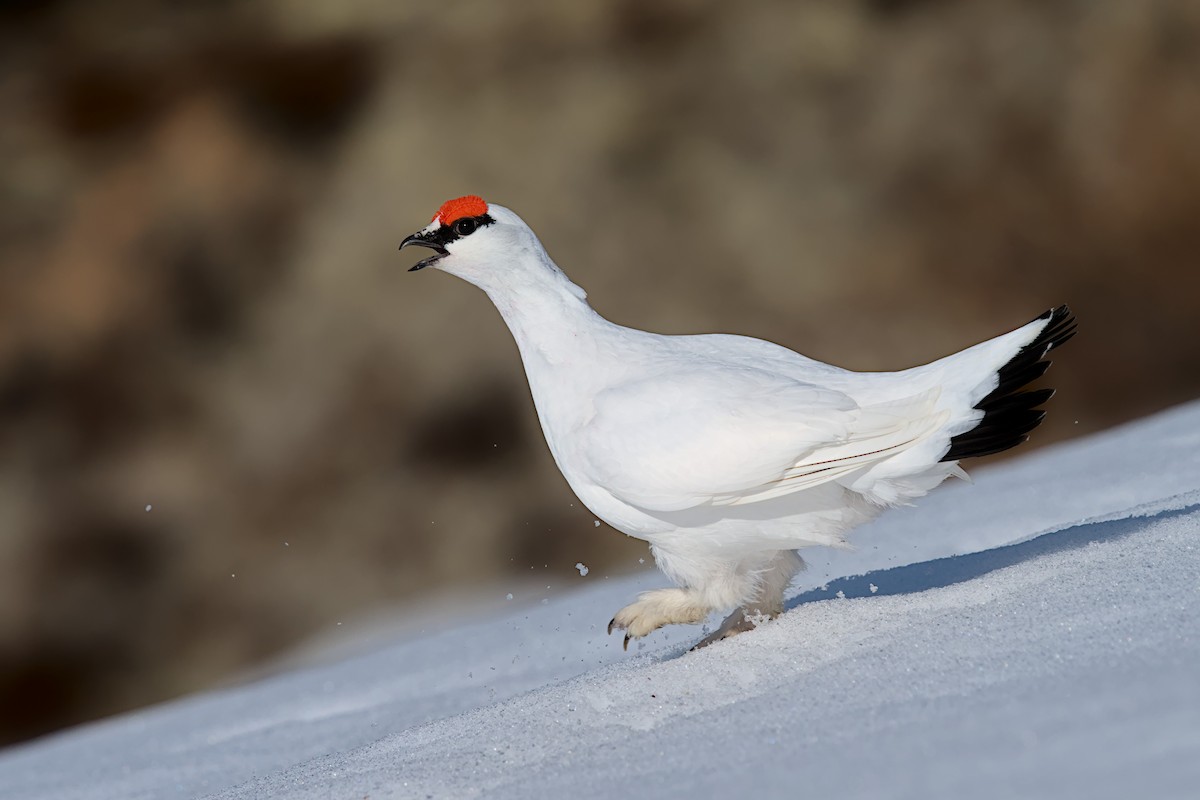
x=654, y=609
x=740, y=621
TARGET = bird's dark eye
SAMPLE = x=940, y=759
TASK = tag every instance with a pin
x=465, y=226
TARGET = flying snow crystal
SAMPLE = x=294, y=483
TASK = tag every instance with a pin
x=841, y=595
x=583, y=570
x=148, y=506
x=873, y=588
x=508, y=596
x=596, y=522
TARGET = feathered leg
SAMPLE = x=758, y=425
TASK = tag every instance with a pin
x=767, y=602
x=659, y=607
x=755, y=584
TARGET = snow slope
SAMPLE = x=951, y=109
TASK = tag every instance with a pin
x=1034, y=635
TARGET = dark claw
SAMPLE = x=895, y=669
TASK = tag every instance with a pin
x=625, y=646
x=611, y=622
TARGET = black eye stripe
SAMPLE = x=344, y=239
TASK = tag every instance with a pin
x=446, y=234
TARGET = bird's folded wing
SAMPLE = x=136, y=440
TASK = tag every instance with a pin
x=877, y=433
x=738, y=436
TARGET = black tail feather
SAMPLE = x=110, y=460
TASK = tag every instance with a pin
x=1008, y=413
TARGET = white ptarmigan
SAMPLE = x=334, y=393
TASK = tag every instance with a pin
x=728, y=453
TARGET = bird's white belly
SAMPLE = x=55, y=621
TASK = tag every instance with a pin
x=818, y=517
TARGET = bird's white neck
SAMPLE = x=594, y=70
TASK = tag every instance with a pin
x=568, y=350
x=548, y=315
x=564, y=346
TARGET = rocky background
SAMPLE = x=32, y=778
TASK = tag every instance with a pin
x=229, y=419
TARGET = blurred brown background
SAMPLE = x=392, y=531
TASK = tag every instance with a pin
x=202, y=308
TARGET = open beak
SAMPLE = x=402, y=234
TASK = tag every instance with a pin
x=429, y=240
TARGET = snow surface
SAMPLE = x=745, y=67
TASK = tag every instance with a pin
x=1034, y=635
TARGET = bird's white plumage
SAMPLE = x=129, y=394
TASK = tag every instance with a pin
x=675, y=440
x=724, y=452
x=732, y=435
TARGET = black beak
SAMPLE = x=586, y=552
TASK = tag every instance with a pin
x=426, y=240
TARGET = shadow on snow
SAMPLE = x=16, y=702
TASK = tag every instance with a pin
x=948, y=571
